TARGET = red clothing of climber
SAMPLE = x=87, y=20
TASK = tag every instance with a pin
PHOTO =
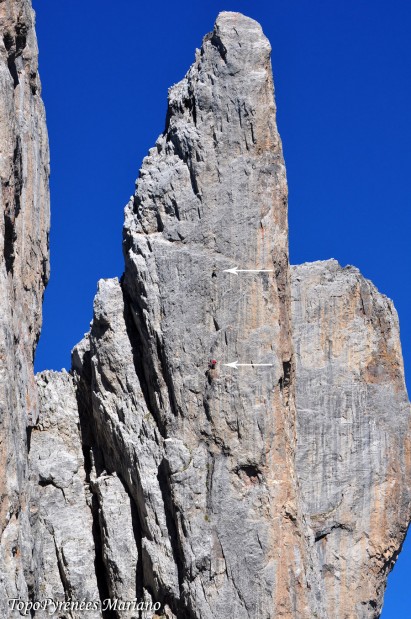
x=212, y=364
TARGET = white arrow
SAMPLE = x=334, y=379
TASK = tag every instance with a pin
x=236, y=270
x=235, y=364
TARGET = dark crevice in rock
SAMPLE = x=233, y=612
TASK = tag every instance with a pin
x=190, y=104
x=11, y=63
x=14, y=47
x=319, y=535
x=371, y=609
x=163, y=481
x=91, y=452
x=10, y=214
x=251, y=471
x=99, y=565
x=206, y=398
x=99, y=328
x=63, y=577
x=176, y=209
x=33, y=83
x=93, y=458
x=46, y=482
x=135, y=519
x=32, y=597
x=29, y=430
x=8, y=41
x=160, y=224
x=193, y=181
x=21, y=38
x=44, y=275
x=9, y=241
x=143, y=363
x=218, y=44
x=18, y=175
x=285, y=379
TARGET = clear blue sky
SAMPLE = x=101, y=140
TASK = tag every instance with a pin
x=342, y=74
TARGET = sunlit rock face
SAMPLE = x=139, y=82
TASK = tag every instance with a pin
x=207, y=455
x=210, y=195
x=24, y=225
x=149, y=472
x=353, y=428
x=62, y=522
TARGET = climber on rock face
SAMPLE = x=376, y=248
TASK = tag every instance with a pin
x=212, y=363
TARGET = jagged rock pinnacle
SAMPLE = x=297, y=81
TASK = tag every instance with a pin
x=158, y=469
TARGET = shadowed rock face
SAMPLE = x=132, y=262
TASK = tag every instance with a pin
x=354, y=453
x=24, y=224
x=155, y=476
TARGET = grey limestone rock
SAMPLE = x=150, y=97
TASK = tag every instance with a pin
x=24, y=224
x=118, y=539
x=211, y=195
x=148, y=473
x=61, y=508
x=354, y=452
x=127, y=435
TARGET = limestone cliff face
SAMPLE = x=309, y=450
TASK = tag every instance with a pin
x=62, y=516
x=24, y=224
x=255, y=492
x=354, y=452
x=212, y=194
x=207, y=455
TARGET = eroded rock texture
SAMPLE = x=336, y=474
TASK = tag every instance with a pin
x=207, y=455
x=211, y=194
x=24, y=224
x=152, y=475
x=61, y=516
x=354, y=452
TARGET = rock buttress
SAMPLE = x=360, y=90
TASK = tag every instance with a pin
x=354, y=451
x=24, y=225
x=62, y=513
x=207, y=455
